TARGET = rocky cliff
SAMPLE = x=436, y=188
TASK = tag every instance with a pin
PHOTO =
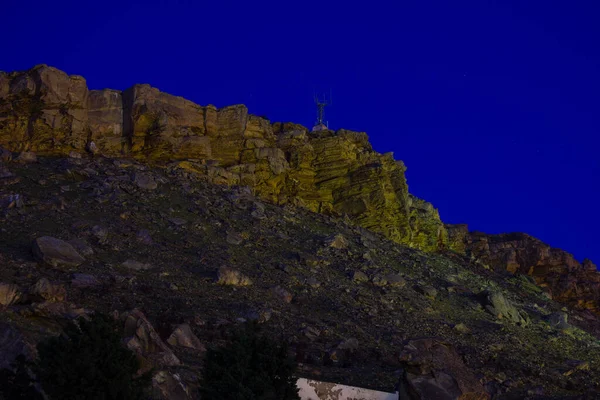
x=51, y=113
x=179, y=263
x=555, y=270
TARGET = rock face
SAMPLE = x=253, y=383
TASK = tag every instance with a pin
x=43, y=110
x=567, y=280
x=457, y=237
x=49, y=112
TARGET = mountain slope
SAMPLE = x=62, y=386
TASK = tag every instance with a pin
x=184, y=221
x=348, y=300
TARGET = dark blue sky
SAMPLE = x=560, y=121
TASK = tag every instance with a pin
x=494, y=106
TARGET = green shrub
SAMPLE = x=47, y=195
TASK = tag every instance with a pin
x=250, y=367
x=88, y=361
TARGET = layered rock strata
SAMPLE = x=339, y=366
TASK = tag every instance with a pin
x=46, y=111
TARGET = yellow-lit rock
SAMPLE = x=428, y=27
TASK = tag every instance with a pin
x=338, y=172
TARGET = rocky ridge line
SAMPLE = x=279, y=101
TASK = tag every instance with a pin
x=46, y=111
x=557, y=272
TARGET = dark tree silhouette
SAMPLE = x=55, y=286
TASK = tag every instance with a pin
x=250, y=367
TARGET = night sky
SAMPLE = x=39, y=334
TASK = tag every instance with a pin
x=494, y=106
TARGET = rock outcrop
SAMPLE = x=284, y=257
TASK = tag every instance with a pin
x=555, y=270
x=46, y=111
x=142, y=339
x=499, y=306
x=434, y=370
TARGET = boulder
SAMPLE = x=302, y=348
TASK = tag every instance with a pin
x=434, y=370
x=145, y=181
x=282, y=294
x=100, y=233
x=558, y=320
x=183, y=336
x=144, y=341
x=27, y=157
x=311, y=333
x=359, y=276
x=428, y=291
x=313, y=282
x=379, y=280
x=84, y=281
x=261, y=316
x=338, y=241
x=52, y=292
x=231, y=277
x=462, y=328
x=234, y=238
x=499, y=306
x=56, y=253
x=9, y=294
x=396, y=280
x=136, y=265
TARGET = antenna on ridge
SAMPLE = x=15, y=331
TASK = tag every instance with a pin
x=321, y=103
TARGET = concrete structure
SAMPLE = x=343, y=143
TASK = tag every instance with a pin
x=316, y=390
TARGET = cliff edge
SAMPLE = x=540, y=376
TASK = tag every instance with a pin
x=51, y=113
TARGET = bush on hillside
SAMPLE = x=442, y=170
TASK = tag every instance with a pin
x=87, y=361
x=250, y=367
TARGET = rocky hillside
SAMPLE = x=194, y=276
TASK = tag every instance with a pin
x=180, y=260
x=558, y=272
x=183, y=221
x=49, y=112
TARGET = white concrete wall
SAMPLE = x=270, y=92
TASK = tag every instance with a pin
x=316, y=390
